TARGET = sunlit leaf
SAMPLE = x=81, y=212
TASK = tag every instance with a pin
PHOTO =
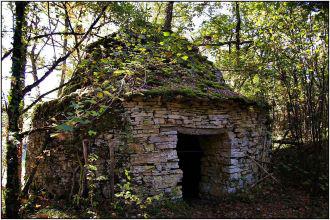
x=166, y=33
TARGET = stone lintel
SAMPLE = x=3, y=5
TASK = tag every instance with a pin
x=194, y=131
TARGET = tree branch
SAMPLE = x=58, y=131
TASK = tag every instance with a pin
x=61, y=59
x=55, y=33
x=24, y=133
x=226, y=43
x=6, y=54
x=43, y=95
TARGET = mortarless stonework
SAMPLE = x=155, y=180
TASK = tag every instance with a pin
x=159, y=97
x=232, y=136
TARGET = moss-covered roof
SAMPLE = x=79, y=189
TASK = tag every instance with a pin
x=150, y=62
x=125, y=65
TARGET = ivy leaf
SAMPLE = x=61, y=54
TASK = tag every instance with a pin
x=118, y=72
x=166, y=33
x=85, y=122
x=185, y=57
x=91, y=133
x=64, y=127
x=100, y=95
x=108, y=93
x=94, y=113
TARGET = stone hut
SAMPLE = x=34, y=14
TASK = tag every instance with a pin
x=151, y=107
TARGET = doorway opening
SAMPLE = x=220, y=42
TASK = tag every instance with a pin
x=190, y=154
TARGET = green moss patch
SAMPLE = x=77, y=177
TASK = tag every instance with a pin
x=149, y=58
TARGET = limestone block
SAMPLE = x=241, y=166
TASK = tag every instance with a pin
x=140, y=169
x=163, y=138
x=252, y=150
x=159, y=167
x=147, y=158
x=149, y=147
x=170, y=154
x=187, y=121
x=232, y=169
x=142, y=135
x=159, y=120
x=178, y=121
x=197, y=119
x=237, y=153
x=235, y=176
x=249, y=178
x=160, y=114
x=171, y=166
x=240, y=135
x=216, y=117
x=166, y=181
x=130, y=104
x=170, y=132
x=234, y=162
x=174, y=116
x=165, y=145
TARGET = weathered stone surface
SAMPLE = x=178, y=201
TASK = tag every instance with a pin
x=160, y=139
x=165, y=145
x=227, y=134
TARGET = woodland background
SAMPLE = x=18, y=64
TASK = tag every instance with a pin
x=275, y=52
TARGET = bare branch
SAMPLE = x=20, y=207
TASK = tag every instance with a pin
x=25, y=133
x=43, y=95
x=50, y=26
x=61, y=59
x=6, y=54
x=69, y=24
x=226, y=43
x=56, y=33
x=5, y=102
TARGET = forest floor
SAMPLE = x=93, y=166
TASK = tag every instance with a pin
x=267, y=200
x=290, y=196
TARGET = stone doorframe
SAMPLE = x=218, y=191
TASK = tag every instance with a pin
x=216, y=161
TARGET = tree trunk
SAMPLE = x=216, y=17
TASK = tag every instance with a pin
x=17, y=84
x=65, y=44
x=34, y=67
x=238, y=29
x=168, y=18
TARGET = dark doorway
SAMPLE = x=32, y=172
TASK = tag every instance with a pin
x=190, y=154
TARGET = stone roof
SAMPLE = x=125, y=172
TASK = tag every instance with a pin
x=149, y=63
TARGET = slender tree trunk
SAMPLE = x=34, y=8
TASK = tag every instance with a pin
x=34, y=67
x=65, y=44
x=160, y=5
x=169, y=15
x=238, y=29
x=16, y=92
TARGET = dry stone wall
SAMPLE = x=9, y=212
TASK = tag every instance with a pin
x=237, y=137
x=232, y=137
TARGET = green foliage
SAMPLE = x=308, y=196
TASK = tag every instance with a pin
x=127, y=202
x=305, y=168
x=285, y=63
x=166, y=208
x=53, y=213
x=64, y=128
